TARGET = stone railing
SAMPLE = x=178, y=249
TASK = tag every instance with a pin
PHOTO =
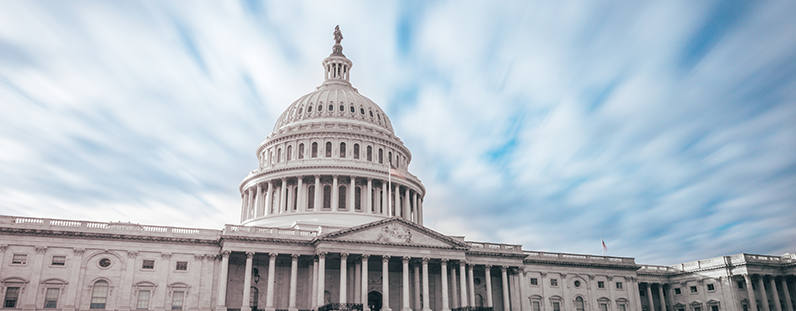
x=106, y=227
x=494, y=247
x=269, y=232
x=564, y=257
x=653, y=269
x=341, y=306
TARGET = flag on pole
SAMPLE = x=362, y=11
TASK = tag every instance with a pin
x=605, y=248
x=395, y=172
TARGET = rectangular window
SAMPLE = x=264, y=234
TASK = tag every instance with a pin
x=12, y=295
x=176, y=300
x=697, y=308
x=622, y=308
x=740, y=284
x=677, y=291
x=553, y=282
x=618, y=285
x=642, y=293
x=59, y=261
x=148, y=264
x=600, y=284
x=182, y=266
x=51, y=298
x=693, y=290
x=19, y=259
x=711, y=287
x=603, y=307
x=537, y=306
x=534, y=281
x=143, y=300
x=556, y=306
x=714, y=308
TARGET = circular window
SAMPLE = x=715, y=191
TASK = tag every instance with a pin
x=477, y=281
x=105, y=262
x=577, y=283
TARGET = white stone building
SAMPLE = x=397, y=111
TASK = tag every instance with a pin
x=332, y=219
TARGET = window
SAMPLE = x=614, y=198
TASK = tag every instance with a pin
x=182, y=266
x=618, y=285
x=148, y=264
x=622, y=307
x=534, y=281
x=328, y=149
x=51, y=298
x=361, y=110
x=370, y=153
x=311, y=197
x=105, y=262
x=371, y=113
x=677, y=291
x=714, y=308
x=320, y=108
x=59, y=261
x=177, y=299
x=327, y=197
x=577, y=283
x=12, y=295
x=342, y=150
x=697, y=308
x=143, y=300
x=740, y=284
x=553, y=282
x=342, y=108
x=711, y=288
x=642, y=293
x=600, y=284
x=19, y=259
x=358, y=198
x=556, y=306
x=341, y=196
x=99, y=295
x=389, y=156
x=309, y=108
x=352, y=109
x=278, y=155
x=693, y=289
x=289, y=153
x=301, y=151
x=381, y=154
x=356, y=151
x=314, y=150
x=537, y=306
x=603, y=307
x=579, y=303
x=331, y=108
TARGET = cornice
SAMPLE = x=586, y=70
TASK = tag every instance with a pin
x=316, y=242
x=416, y=183
x=265, y=239
x=107, y=236
x=495, y=254
x=582, y=264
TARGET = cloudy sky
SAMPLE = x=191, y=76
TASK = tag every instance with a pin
x=668, y=129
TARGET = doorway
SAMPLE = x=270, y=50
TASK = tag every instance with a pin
x=374, y=301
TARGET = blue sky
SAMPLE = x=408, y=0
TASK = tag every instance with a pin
x=666, y=128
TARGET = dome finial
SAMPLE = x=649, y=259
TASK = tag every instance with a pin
x=337, y=49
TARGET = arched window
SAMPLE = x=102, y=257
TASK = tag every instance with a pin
x=289, y=152
x=381, y=154
x=278, y=155
x=358, y=198
x=99, y=295
x=311, y=197
x=301, y=151
x=331, y=108
x=341, y=197
x=389, y=156
x=579, y=303
x=479, y=300
x=342, y=150
x=314, y=150
x=342, y=108
x=295, y=198
x=274, y=202
x=271, y=157
x=287, y=195
x=356, y=151
x=370, y=154
x=327, y=197
x=328, y=149
x=309, y=108
x=254, y=296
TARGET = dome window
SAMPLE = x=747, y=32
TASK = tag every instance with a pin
x=371, y=114
x=381, y=156
x=379, y=115
x=356, y=151
x=352, y=109
x=331, y=108
x=370, y=153
x=314, y=150
x=301, y=151
x=362, y=111
x=309, y=109
x=328, y=149
x=342, y=108
x=289, y=153
x=301, y=110
x=320, y=108
x=342, y=150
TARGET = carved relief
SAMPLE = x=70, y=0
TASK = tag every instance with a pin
x=395, y=233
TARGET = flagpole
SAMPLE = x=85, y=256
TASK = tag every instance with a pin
x=602, y=245
x=389, y=190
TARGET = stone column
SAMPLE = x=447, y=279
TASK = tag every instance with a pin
x=463, y=283
x=416, y=274
x=426, y=296
x=357, y=282
x=369, y=196
x=343, y=274
x=252, y=193
x=636, y=293
x=128, y=281
x=470, y=279
x=385, y=282
x=406, y=204
x=505, y=278
x=282, y=196
x=649, y=297
x=351, y=193
x=751, y=292
x=321, y=276
x=71, y=292
x=269, y=298
x=300, y=196
x=454, y=288
x=222, y=282
x=335, y=193
x=293, y=282
x=314, y=290
x=242, y=206
x=764, y=295
x=258, y=201
x=396, y=208
x=417, y=209
x=488, y=276
x=317, y=204
x=444, y=271
x=247, y=281
x=774, y=293
x=405, y=274
x=786, y=293
x=660, y=296
x=384, y=197
x=269, y=199
x=364, y=286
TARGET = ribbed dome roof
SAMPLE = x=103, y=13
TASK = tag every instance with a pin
x=334, y=101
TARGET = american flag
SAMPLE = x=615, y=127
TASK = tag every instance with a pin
x=395, y=172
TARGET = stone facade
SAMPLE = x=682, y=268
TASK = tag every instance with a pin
x=331, y=219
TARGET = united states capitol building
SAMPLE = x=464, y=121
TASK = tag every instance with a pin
x=332, y=219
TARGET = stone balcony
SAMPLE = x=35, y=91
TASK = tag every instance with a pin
x=494, y=247
x=123, y=228
x=580, y=259
x=266, y=232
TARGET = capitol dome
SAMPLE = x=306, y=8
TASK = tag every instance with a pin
x=332, y=161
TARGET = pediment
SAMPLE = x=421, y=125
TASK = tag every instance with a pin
x=394, y=231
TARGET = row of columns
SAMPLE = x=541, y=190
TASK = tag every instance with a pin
x=765, y=296
x=660, y=297
x=257, y=201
